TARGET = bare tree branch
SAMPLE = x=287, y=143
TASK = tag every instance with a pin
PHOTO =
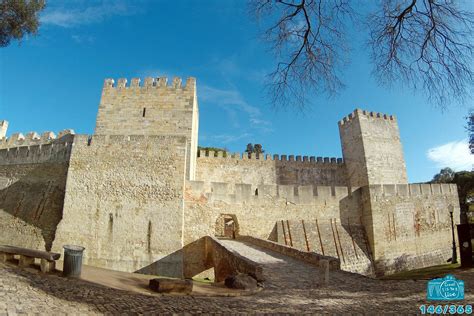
x=308, y=40
x=424, y=44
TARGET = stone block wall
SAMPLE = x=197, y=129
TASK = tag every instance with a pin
x=32, y=188
x=409, y=226
x=270, y=169
x=372, y=149
x=124, y=202
x=153, y=108
x=344, y=239
x=255, y=214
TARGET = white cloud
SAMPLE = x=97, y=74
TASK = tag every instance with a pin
x=231, y=100
x=83, y=39
x=75, y=16
x=455, y=154
x=226, y=138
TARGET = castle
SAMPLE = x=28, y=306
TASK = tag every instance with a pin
x=137, y=191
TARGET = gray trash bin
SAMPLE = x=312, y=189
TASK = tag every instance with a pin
x=72, y=260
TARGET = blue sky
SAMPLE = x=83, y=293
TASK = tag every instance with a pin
x=54, y=81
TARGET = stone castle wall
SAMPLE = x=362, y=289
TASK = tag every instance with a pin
x=32, y=138
x=260, y=210
x=32, y=188
x=409, y=226
x=267, y=169
x=124, y=201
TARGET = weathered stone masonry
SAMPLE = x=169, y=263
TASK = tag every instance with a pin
x=138, y=195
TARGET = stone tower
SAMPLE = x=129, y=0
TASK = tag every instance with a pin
x=372, y=149
x=154, y=108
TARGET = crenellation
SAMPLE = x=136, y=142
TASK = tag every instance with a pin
x=32, y=136
x=34, y=154
x=324, y=191
x=425, y=189
x=149, y=82
x=159, y=82
x=436, y=189
x=135, y=83
x=121, y=83
x=176, y=83
x=357, y=113
x=65, y=132
x=445, y=188
x=162, y=82
x=245, y=193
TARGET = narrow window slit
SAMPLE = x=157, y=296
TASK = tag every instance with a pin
x=144, y=112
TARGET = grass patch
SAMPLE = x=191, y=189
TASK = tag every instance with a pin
x=424, y=273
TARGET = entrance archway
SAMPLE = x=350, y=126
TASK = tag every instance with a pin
x=227, y=226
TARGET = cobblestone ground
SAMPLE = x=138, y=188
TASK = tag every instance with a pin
x=291, y=287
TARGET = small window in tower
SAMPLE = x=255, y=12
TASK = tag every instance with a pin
x=144, y=112
x=256, y=191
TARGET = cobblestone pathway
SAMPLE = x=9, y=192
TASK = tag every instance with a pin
x=291, y=287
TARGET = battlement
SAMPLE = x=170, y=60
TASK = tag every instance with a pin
x=417, y=189
x=242, y=192
x=33, y=138
x=359, y=113
x=43, y=153
x=268, y=157
x=150, y=82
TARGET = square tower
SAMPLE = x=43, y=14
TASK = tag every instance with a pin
x=372, y=149
x=152, y=109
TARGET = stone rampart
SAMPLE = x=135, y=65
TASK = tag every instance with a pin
x=32, y=188
x=124, y=201
x=255, y=209
x=270, y=169
x=33, y=138
x=409, y=226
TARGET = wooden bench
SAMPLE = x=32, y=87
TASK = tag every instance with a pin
x=27, y=257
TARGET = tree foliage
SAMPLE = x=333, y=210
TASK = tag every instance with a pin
x=18, y=18
x=214, y=149
x=425, y=44
x=464, y=181
x=446, y=175
x=256, y=149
